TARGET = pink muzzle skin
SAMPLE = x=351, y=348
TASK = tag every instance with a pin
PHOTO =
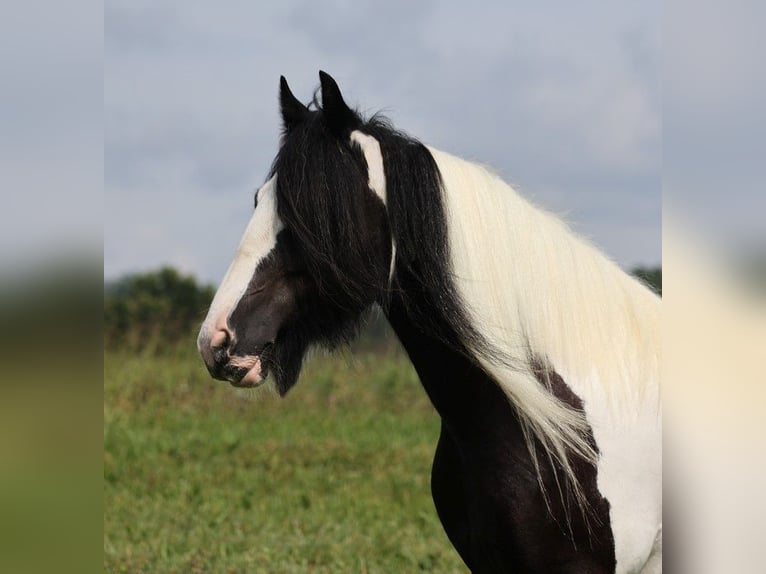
x=253, y=376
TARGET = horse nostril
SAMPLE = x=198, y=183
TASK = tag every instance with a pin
x=220, y=340
x=220, y=356
x=220, y=343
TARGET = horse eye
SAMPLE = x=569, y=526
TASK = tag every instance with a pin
x=255, y=200
x=255, y=289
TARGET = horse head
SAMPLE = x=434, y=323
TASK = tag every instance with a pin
x=316, y=254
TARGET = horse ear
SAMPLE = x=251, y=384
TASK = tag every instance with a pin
x=293, y=111
x=338, y=116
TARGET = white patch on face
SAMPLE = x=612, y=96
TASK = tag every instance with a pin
x=377, y=176
x=258, y=241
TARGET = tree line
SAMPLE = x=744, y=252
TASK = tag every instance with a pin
x=157, y=308
x=154, y=309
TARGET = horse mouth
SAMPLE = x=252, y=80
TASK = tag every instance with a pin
x=248, y=371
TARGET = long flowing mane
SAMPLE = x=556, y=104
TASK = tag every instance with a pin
x=535, y=289
x=512, y=286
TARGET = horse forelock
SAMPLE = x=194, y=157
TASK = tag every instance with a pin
x=324, y=199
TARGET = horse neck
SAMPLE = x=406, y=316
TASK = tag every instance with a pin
x=457, y=387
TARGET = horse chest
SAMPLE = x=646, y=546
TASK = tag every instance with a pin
x=489, y=500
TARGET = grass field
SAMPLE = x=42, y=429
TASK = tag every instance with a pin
x=201, y=477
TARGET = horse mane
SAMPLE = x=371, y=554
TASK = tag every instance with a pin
x=543, y=294
x=524, y=293
x=512, y=286
x=537, y=288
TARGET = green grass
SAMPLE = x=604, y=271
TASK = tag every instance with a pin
x=200, y=477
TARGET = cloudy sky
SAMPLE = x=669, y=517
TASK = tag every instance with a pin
x=562, y=98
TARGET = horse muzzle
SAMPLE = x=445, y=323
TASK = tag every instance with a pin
x=240, y=370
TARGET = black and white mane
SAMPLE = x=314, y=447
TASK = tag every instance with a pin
x=318, y=198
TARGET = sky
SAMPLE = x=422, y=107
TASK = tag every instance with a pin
x=563, y=99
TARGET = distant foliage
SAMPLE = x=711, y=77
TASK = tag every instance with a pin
x=652, y=276
x=154, y=309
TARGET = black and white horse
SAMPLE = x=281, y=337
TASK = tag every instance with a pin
x=539, y=354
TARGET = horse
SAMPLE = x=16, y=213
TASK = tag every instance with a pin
x=539, y=354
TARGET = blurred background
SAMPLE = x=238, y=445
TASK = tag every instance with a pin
x=597, y=111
